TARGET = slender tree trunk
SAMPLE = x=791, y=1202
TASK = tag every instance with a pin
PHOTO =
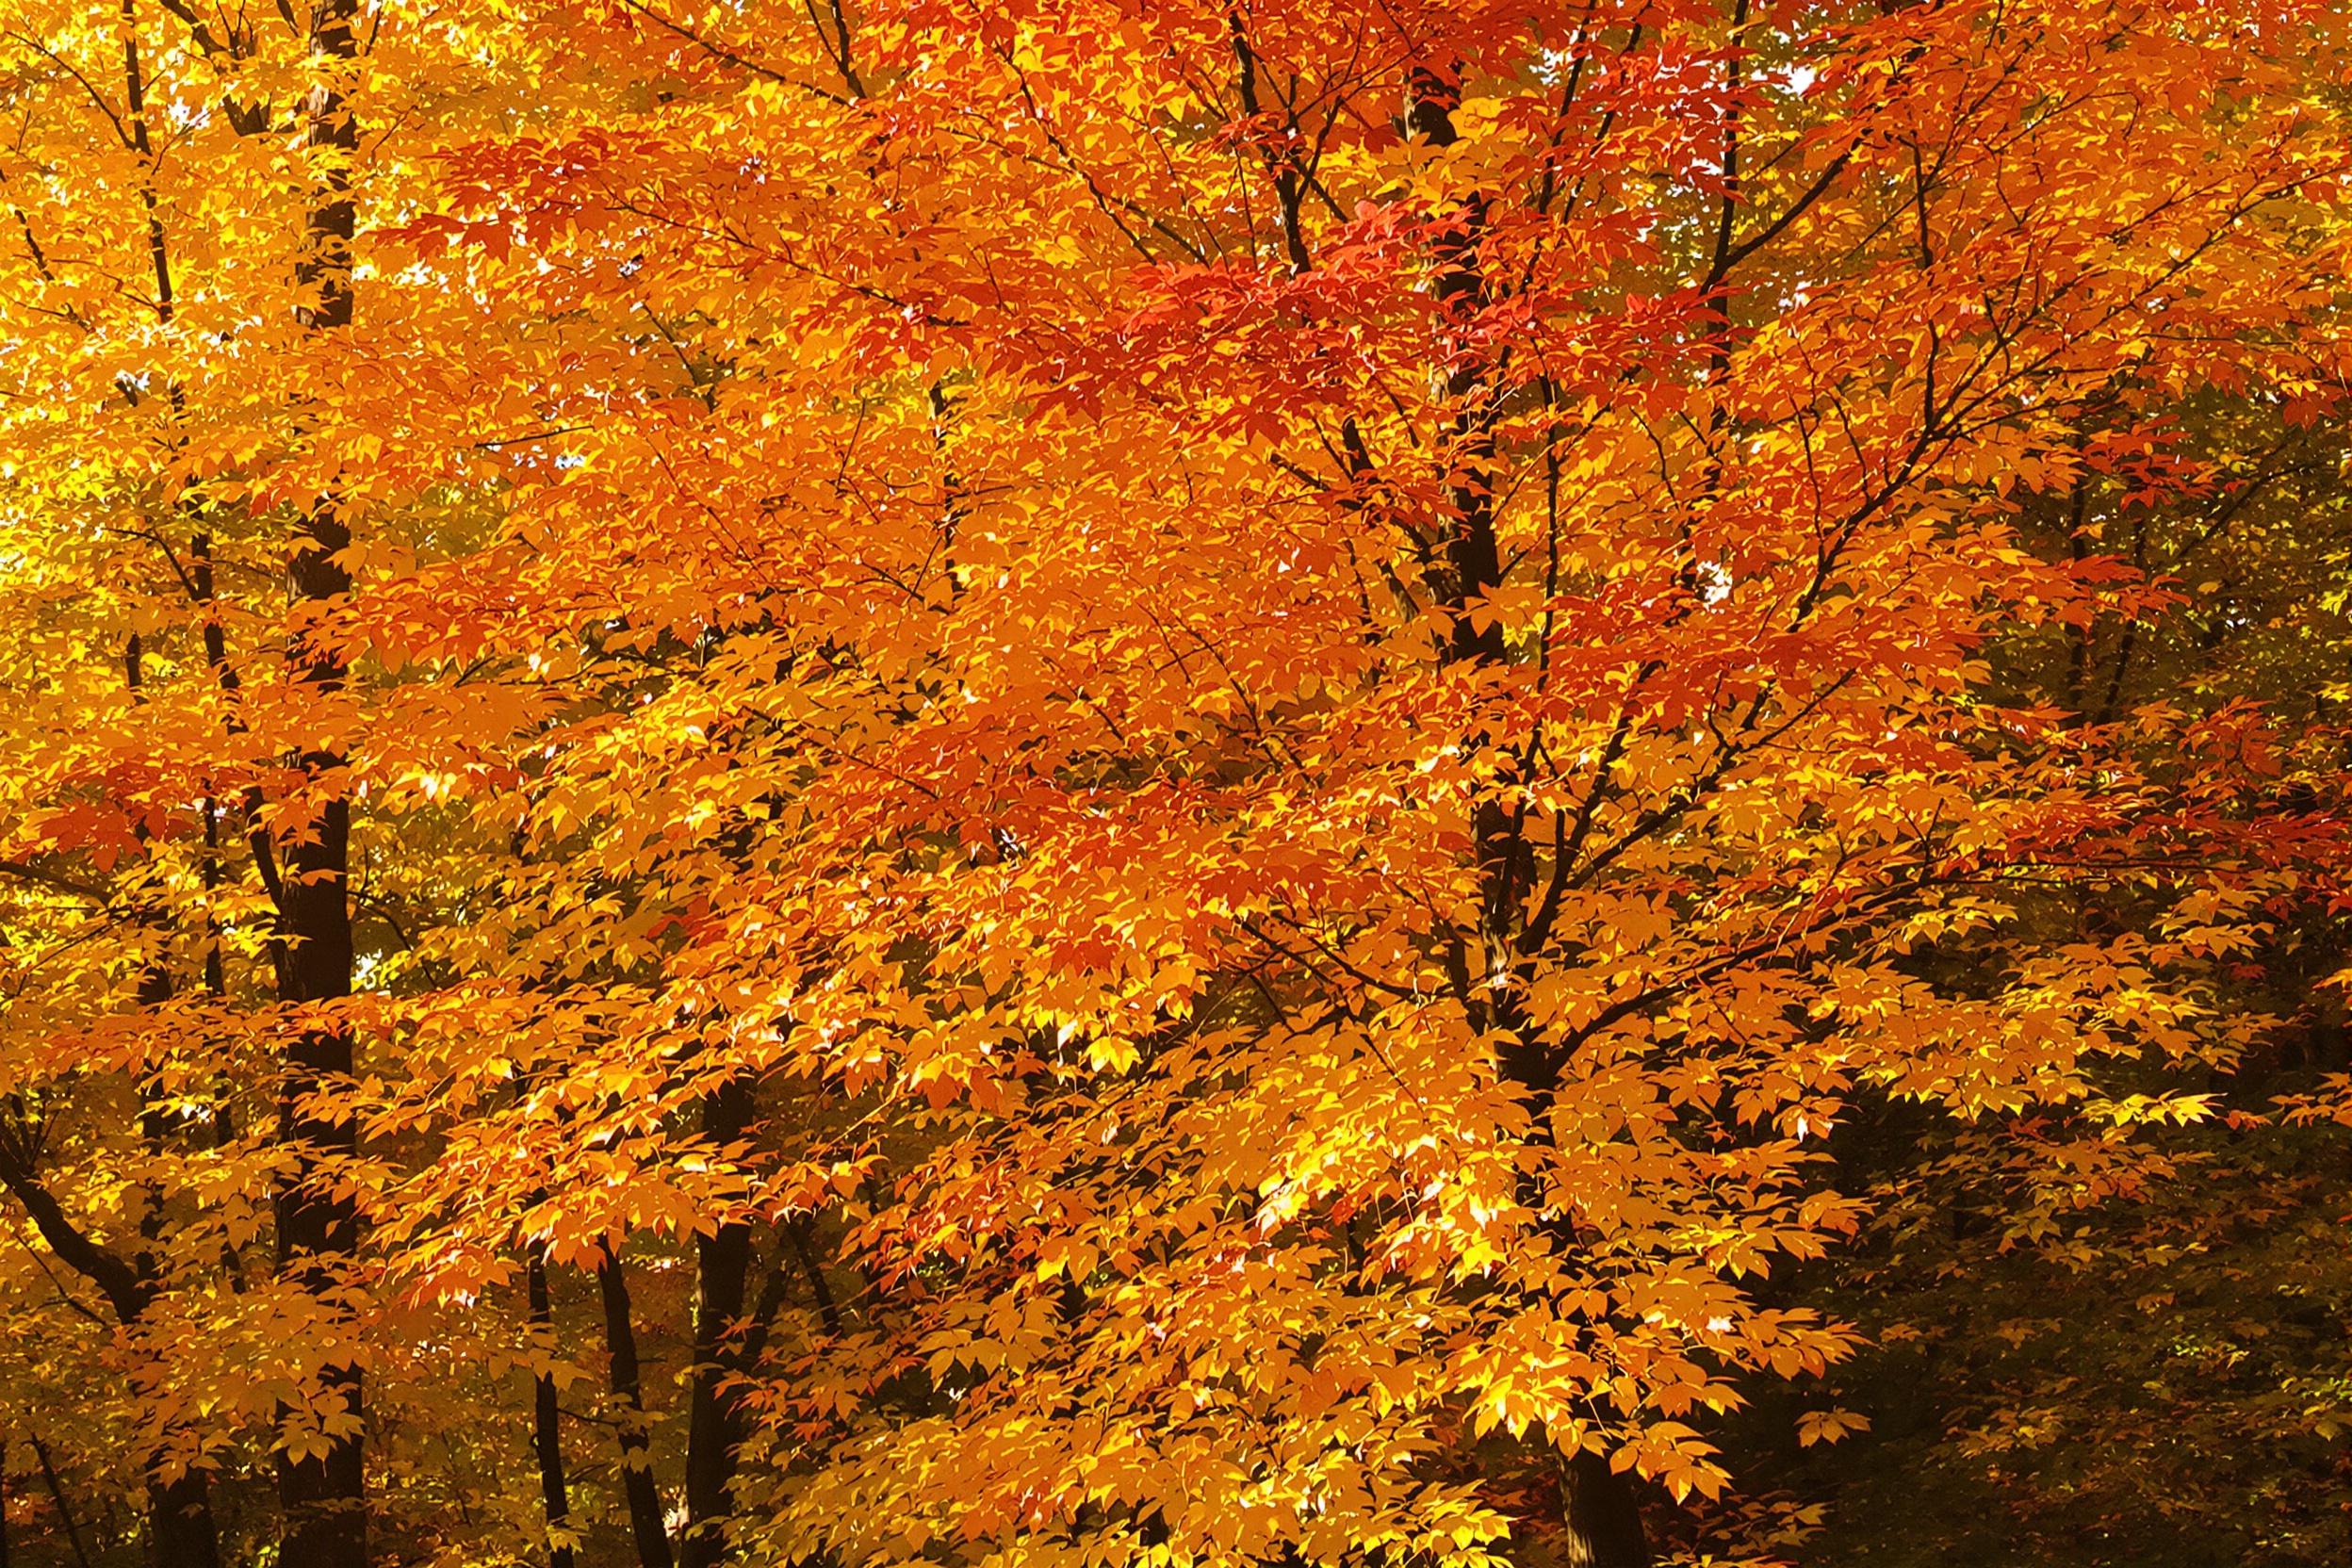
x=546, y=1436
x=1601, y=1512
x=2078, y=644
x=620, y=1342
x=715, y=1417
x=798, y=1231
x=180, y=1528
x=216, y=639
x=323, y=1496
x=56, y=1495
x=179, y=1513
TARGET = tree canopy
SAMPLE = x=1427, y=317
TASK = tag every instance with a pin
x=1174, y=783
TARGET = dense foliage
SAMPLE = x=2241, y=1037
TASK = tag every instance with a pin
x=1165, y=783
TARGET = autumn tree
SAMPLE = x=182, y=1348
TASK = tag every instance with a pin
x=1358, y=645
x=1114, y=782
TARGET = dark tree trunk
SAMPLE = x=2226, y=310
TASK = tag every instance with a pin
x=180, y=1524
x=180, y=1531
x=714, y=1416
x=56, y=1495
x=323, y=1496
x=179, y=1513
x=1603, y=1520
x=546, y=1437
x=620, y=1343
x=1603, y=1515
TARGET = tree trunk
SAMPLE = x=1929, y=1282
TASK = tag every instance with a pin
x=714, y=1419
x=56, y=1495
x=322, y=1494
x=546, y=1436
x=1603, y=1515
x=620, y=1342
x=180, y=1523
x=180, y=1530
x=179, y=1513
x=1603, y=1520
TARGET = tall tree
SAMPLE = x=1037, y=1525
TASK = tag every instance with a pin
x=321, y=1479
